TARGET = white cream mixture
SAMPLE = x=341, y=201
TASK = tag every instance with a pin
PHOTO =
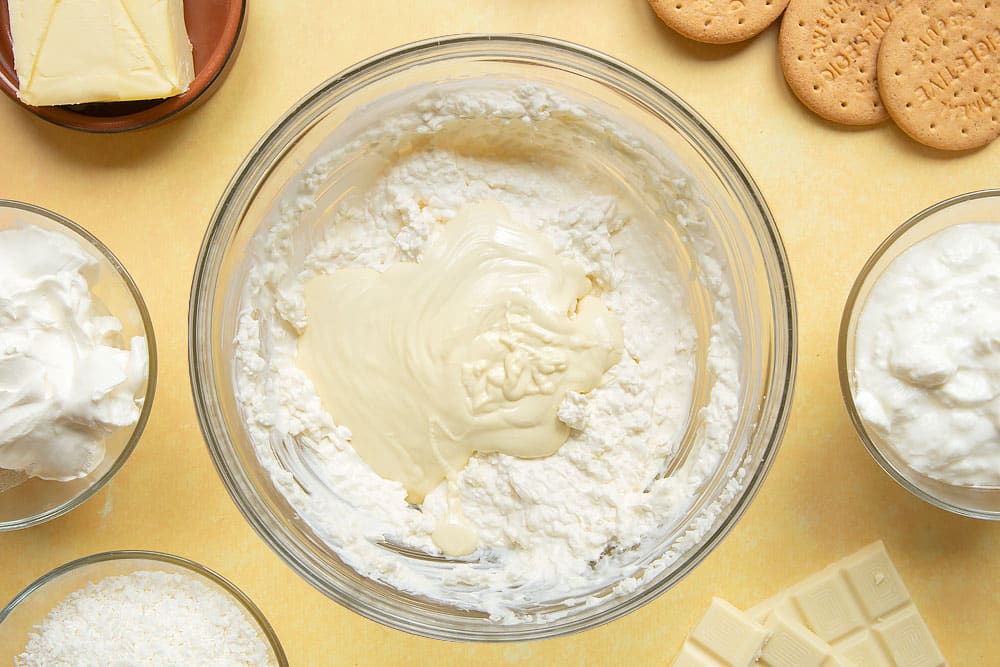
x=927, y=355
x=67, y=380
x=470, y=350
x=588, y=522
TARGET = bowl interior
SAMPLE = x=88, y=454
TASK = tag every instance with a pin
x=28, y=501
x=33, y=604
x=980, y=206
x=744, y=241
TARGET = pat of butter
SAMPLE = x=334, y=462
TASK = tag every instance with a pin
x=73, y=51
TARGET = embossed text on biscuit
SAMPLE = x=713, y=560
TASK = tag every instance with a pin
x=858, y=46
x=980, y=54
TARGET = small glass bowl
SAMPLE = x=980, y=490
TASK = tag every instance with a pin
x=979, y=206
x=30, y=607
x=28, y=501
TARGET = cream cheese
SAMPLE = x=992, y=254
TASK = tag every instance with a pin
x=66, y=381
x=588, y=522
x=927, y=356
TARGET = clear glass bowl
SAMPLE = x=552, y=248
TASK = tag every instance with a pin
x=27, y=501
x=30, y=607
x=733, y=208
x=979, y=206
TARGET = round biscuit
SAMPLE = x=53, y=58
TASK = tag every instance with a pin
x=828, y=51
x=939, y=72
x=718, y=21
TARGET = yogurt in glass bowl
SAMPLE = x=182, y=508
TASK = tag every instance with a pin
x=77, y=365
x=448, y=258
x=919, y=354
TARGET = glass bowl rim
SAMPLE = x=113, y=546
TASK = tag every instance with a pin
x=147, y=325
x=844, y=373
x=158, y=556
x=711, y=147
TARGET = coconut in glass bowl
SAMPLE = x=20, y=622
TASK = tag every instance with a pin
x=136, y=607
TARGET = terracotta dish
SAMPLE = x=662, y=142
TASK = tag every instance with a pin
x=216, y=30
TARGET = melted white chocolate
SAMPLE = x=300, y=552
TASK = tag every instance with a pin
x=471, y=350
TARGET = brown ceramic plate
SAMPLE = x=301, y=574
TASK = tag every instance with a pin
x=216, y=31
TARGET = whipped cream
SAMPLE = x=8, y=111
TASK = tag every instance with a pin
x=927, y=356
x=608, y=510
x=66, y=382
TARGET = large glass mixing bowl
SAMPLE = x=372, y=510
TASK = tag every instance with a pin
x=734, y=212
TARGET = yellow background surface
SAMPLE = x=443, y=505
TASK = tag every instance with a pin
x=834, y=192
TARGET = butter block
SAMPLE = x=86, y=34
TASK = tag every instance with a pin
x=724, y=637
x=860, y=607
x=74, y=51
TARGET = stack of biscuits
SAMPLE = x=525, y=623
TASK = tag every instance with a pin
x=932, y=66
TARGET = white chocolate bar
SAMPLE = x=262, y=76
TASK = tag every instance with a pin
x=724, y=637
x=860, y=607
x=727, y=637
x=791, y=644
